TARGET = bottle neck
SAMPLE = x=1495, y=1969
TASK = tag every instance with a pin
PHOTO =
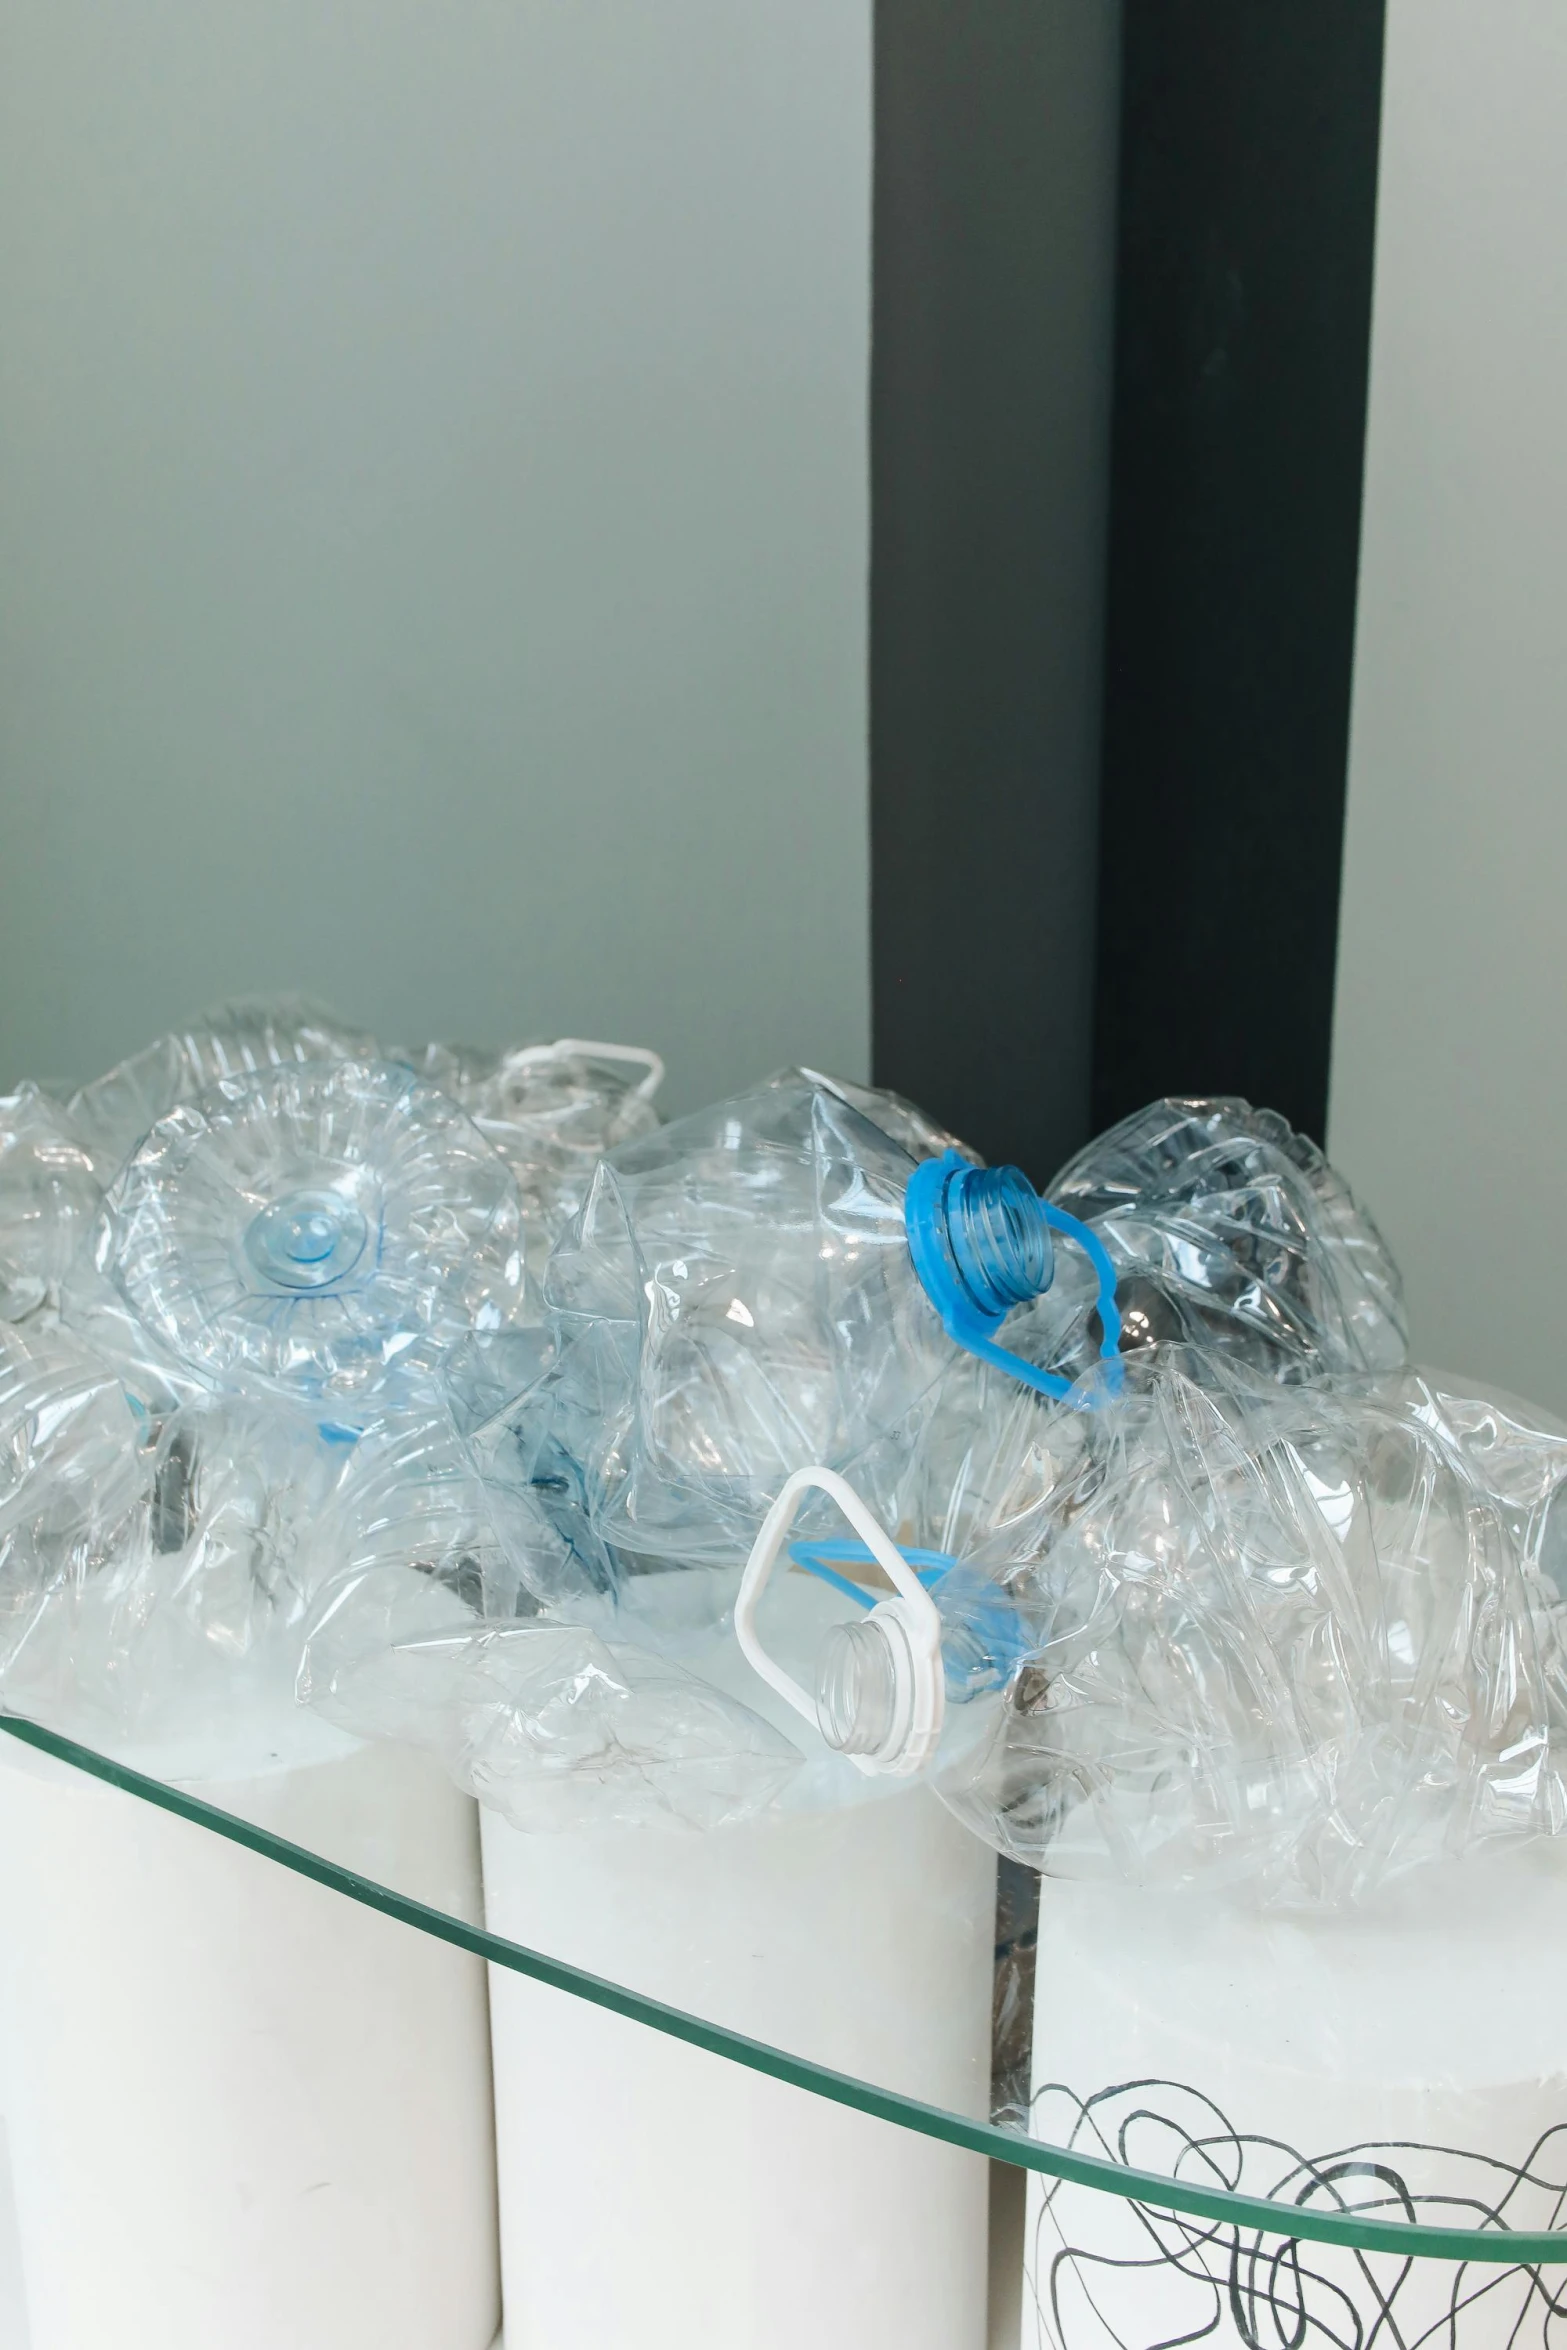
x=1000, y=1242
x=980, y=1241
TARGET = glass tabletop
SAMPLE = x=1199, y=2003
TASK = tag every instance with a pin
x=1190, y=2087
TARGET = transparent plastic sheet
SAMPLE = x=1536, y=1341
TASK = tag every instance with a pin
x=973, y=1473
x=922, y=1136
x=1232, y=1233
x=1290, y=1642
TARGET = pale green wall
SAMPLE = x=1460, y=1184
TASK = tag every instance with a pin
x=1448, y=1101
x=433, y=520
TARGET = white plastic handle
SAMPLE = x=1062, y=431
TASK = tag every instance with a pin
x=564, y=1046
x=915, y=1609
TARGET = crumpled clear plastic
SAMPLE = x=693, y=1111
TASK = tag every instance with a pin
x=1232, y=1233
x=67, y=1432
x=321, y=1228
x=291, y=1433
x=435, y=1630
x=921, y=1135
x=561, y=1729
x=97, y=1313
x=49, y=1196
x=145, y=1565
x=552, y=1111
x=975, y=1472
x=735, y=1300
x=74, y=1484
x=237, y=1039
x=1290, y=1641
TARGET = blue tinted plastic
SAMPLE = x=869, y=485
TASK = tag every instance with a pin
x=980, y=1240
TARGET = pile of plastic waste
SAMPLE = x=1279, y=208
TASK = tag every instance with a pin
x=676, y=1472
x=232, y=1274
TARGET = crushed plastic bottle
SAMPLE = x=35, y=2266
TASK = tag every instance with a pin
x=49, y=1197
x=322, y=1228
x=237, y=1039
x=552, y=1111
x=435, y=1629
x=1291, y=1641
x=72, y=1478
x=1232, y=1233
x=186, y=1595
x=66, y=1429
x=775, y=1282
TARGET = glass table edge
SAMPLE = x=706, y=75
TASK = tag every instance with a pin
x=1293, y=2222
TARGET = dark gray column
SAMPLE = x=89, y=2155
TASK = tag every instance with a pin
x=992, y=315
x=1249, y=134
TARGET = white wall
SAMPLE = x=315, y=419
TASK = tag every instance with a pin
x=1449, y=1110
x=433, y=520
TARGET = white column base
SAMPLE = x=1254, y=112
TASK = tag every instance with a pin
x=656, y=2197
x=13, y=2302
x=243, y=2110
x=1424, y=2035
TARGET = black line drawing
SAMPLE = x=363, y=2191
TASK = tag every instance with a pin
x=1110, y=2273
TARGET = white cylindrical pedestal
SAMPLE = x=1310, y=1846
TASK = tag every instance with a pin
x=13, y=2301
x=244, y=2111
x=655, y=2197
x=1408, y=2061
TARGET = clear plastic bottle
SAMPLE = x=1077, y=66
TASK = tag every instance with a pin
x=236, y=1039
x=552, y=1111
x=49, y=1196
x=924, y=1634
x=72, y=1480
x=776, y=1282
x=177, y=1607
x=456, y=1619
x=1288, y=1642
x=326, y=1229
x=1232, y=1233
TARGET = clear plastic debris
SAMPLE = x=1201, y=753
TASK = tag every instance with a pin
x=1260, y=1608
x=182, y=1587
x=67, y=1433
x=552, y=1111
x=735, y=1300
x=922, y=1136
x=560, y=1728
x=434, y=1629
x=1290, y=1640
x=322, y=1228
x=73, y=1478
x=977, y=1480
x=1232, y=1233
x=98, y=1314
x=237, y=1039
x=49, y=1197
